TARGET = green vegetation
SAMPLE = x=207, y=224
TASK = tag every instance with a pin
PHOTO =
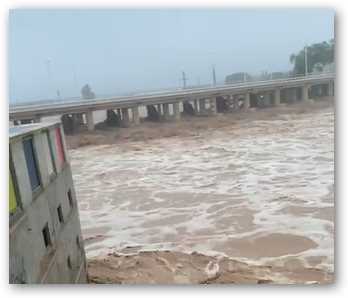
x=318, y=55
x=87, y=93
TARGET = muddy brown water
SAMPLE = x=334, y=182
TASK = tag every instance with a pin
x=261, y=192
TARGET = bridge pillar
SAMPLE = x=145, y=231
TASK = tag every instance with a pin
x=159, y=110
x=277, y=96
x=125, y=116
x=212, y=103
x=202, y=105
x=176, y=110
x=119, y=114
x=90, y=120
x=195, y=105
x=246, y=101
x=135, y=115
x=166, y=114
x=305, y=91
x=331, y=89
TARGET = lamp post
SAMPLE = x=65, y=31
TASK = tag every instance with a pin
x=306, y=60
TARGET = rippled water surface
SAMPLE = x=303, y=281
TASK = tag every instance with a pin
x=260, y=191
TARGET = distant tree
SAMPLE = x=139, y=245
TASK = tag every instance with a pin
x=87, y=93
x=279, y=75
x=318, y=55
x=237, y=77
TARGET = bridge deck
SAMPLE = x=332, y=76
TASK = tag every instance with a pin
x=48, y=109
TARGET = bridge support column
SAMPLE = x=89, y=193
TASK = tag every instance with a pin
x=176, y=110
x=125, y=116
x=213, y=108
x=159, y=110
x=246, y=101
x=277, y=97
x=119, y=114
x=202, y=105
x=90, y=120
x=166, y=114
x=135, y=115
x=331, y=88
x=305, y=91
x=195, y=105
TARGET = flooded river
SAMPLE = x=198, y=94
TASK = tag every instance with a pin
x=260, y=191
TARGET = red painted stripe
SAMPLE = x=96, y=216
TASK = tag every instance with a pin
x=60, y=149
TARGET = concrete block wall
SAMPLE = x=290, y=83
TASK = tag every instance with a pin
x=63, y=261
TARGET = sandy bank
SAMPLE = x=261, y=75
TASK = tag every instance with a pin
x=168, y=267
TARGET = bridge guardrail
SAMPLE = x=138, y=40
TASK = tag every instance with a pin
x=167, y=93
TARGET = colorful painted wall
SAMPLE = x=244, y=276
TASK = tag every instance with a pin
x=43, y=212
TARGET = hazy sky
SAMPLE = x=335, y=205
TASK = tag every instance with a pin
x=118, y=51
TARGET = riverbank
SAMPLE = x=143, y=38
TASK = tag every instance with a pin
x=169, y=267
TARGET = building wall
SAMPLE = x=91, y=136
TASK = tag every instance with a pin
x=63, y=260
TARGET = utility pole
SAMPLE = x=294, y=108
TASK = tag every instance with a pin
x=48, y=62
x=184, y=79
x=306, y=60
x=214, y=76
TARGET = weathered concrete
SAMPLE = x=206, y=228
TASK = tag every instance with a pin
x=166, y=114
x=159, y=110
x=331, y=88
x=305, y=92
x=195, y=104
x=125, y=116
x=30, y=260
x=176, y=111
x=119, y=114
x=90, y=120
x=277, y=96
x=135, y=115
x=212, y=103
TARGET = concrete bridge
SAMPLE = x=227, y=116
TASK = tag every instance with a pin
x=168, y=105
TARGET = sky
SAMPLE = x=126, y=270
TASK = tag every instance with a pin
x=125, y=51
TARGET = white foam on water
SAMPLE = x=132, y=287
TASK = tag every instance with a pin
x=175, y=193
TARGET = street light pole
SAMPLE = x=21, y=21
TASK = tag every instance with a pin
x=184, y=79
x=306, y=60
x=214, y=75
